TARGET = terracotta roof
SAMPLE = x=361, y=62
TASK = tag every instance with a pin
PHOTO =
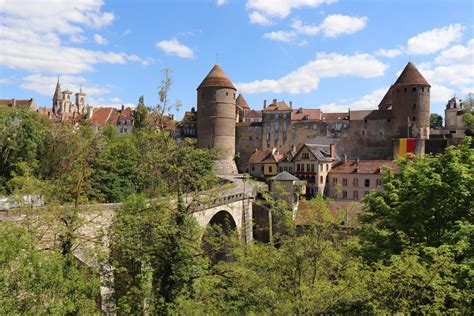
x=310, y=114
x=278, y=106
x=103, y=116
x=253, y=114
x=242, y=102
x=334, y=116
x=386, y=101
x=126, y=114
x=189, y=116
x=363, y=166
x=216, y=78
x=342, y=212
x=259, y=155
x=18, y=103
x=411, y=76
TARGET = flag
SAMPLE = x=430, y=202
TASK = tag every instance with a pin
x=407, y=145
x=408, y=121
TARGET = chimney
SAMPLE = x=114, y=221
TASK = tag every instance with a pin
x=123, y=107
x=273, y=150
x=274, y=102
x=300, y=110
x=357, y=162
x=344, y=158
x=264, y=104
x=293, y=148
x=331, y=150
x=291, y=105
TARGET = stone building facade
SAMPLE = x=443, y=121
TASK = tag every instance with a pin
x=63, y=101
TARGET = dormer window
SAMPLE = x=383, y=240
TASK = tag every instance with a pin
x=414, y=89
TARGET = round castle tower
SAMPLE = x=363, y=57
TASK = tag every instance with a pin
x=411, y=101
x=216, y=109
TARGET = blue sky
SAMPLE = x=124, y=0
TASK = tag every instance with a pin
x=316, y=53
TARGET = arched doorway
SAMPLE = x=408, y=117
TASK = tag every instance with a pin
x=220, y=236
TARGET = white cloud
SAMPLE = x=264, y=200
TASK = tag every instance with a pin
x=45, y=85
x=367, y=102
x=174, y=47
x=390, y=53
x=52, y=16
x=115, y=100
x=222, y=2
x=282, y=8
x=298, y=26
x=337, y=24
x=440, y=94
x=4, y=81
x=37, y=54
x=280, y=36
x=432, y=41
x=100, y=40
x=458, y=54
x=306, y=78
x=258, y=18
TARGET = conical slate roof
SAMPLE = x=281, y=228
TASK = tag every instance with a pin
x=386, y=100
x=216, y=78
x=57, y=92
x=411, y=76
x=242, y=102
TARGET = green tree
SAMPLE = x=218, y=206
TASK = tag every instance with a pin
x=34, y=281
x=468, y=119
x=165, y=106
x=140, y=114
x=436, y=120
x=422, y=203
x=22, y=138
x=156, y=249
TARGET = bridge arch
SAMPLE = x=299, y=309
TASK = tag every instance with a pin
x=224, y=219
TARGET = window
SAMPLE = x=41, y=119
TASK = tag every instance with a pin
x=344, y=194
x=250, y=137
x=276, y=135
x=378, y=183
x=307, y=167
x=344, y=182
x=414, y=118
x=263, y=169
x=367, y=183
x=268, y=136
x=405, y=89
x=355, y=195
x=327, y=167
x=321, y=180
x=355, y=182
x=422, y=89
x=414, y=105
x=284, y=125
x=227, y=93
x=305, y=155
x=414, y=89
x=281, y=169
x=253, y=168
x=334, y=181
x=312, y=167
x=290, y=169
x=284, y=136
x=270, y=169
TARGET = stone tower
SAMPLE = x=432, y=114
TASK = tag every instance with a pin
x=411, y=101
x=57, y=99
x=451, y=119
x=216, y=109
x=80, y=101
x=67, y=101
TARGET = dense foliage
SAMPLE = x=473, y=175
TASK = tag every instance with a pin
x=411, y=254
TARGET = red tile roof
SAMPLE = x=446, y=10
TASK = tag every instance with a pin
x=278, y=106
x=411, y=76
x=216, y=78
x=362, y=167
x=18, y=103
x=104, y=116
x=253, y=114
x=308, y=114
x=242, y=102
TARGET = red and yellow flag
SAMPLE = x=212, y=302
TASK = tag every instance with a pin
x=407, y=145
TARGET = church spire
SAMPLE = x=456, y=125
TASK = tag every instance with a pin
x=57, y=92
